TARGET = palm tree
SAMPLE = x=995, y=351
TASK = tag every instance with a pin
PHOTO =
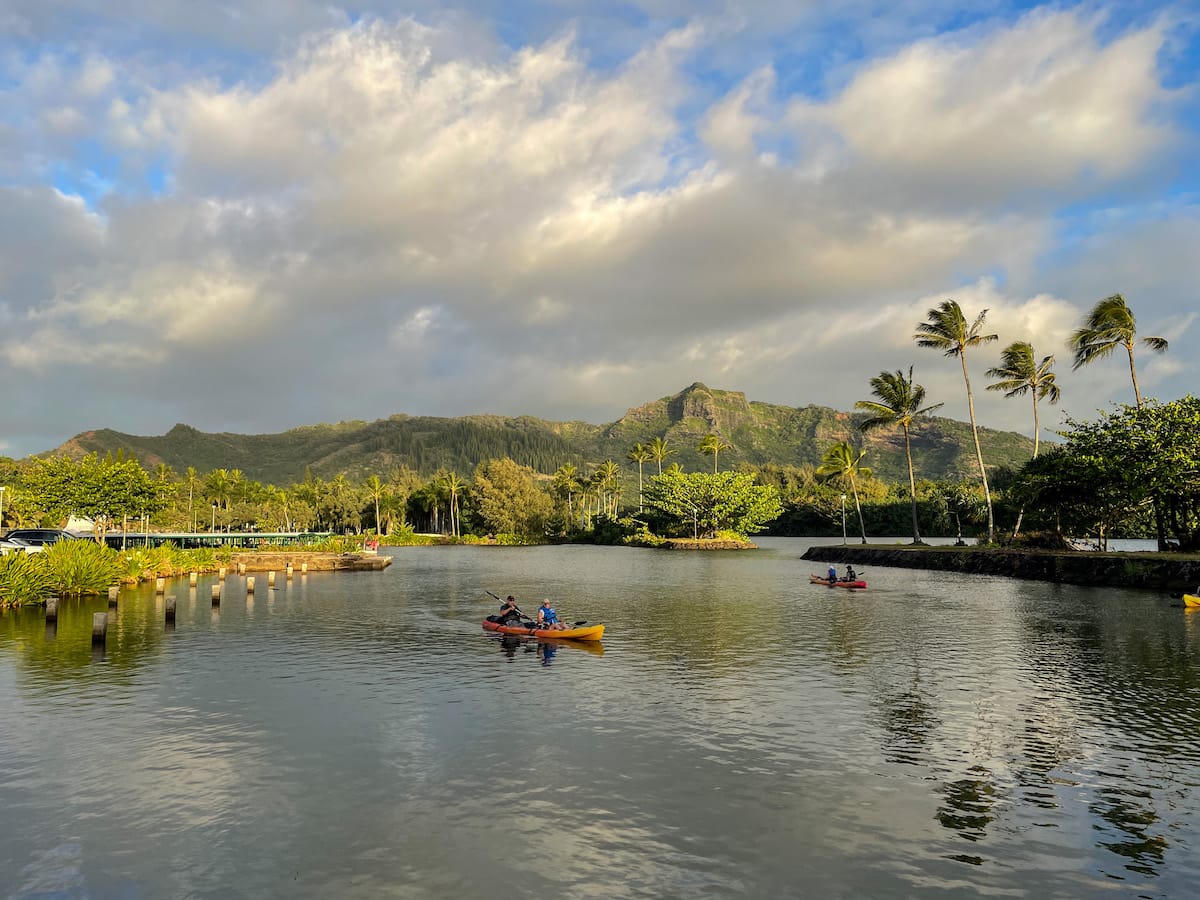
x=218, y=486
x=1111, y=324
x=1019, y=374
x=947, y=331
x=605, y=476
x=375, y=490
x=899, y=404
x=712, y=444
x=640, y=454
x=659, y=451
x=840, y=463
x=192, y=481
x=566, y=480
x=453, y=486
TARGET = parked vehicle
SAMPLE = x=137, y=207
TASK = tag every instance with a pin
x=17, y=545
x=39, y=537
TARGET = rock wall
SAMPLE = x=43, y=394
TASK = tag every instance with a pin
x=1150, y=570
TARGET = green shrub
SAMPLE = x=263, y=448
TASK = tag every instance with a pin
x=80, y=567
x=24, y=578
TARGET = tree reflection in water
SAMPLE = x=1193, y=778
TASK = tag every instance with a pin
x=968, y=807
x=1130, y=813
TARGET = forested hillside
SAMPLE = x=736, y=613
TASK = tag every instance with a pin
x=759, y=433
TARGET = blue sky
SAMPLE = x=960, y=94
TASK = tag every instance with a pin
x=322, y=212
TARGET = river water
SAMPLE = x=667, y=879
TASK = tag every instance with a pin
x=740, y=733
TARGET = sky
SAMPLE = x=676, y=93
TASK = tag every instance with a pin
x=249, y=217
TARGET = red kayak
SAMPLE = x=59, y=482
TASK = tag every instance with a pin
x=817, y=579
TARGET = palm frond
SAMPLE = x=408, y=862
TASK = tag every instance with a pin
x=1157, y=344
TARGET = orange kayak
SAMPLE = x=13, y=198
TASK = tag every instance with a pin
x=590, y=633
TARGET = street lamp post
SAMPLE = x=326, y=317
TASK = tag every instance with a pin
x=843, y=518
x=214, y=522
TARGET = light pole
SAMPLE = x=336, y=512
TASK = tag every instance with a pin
x=214, y=524
x=843, y=518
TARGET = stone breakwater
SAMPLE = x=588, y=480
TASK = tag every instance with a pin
x=1149, y=570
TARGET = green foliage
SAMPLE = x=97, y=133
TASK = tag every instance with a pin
x=24, y=578
x=405, y=536
x=105, y=490
x=1107, y=474
x=509, y=500
x=80, y=567
x=709, y=503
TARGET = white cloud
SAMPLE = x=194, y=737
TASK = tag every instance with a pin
x=407, y=199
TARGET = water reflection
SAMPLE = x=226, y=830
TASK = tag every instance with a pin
x=937, y=734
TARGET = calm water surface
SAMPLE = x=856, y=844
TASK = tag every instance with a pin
x=739, y=734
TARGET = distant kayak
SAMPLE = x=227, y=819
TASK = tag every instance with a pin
x=590, y=633
x=817, y=579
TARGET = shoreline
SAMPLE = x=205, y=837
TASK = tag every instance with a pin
x=1160, y=571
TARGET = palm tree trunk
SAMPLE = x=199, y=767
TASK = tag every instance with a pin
x=861, y=527
x=640, y=485
x=1037, y=430
x=1137, y=392
x=987, y=494
x=912, y=487
x=714, y=462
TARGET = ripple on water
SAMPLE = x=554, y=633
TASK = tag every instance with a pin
x=737, y=734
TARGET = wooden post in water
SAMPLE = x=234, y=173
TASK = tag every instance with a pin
x=52, y=609
x=169, y=606
x=288, y=572
x=241, y=568
x=160, y=585
x=303, y=568
x=216, y=595
x=271, y=579
x=191, y=579
x=99, y=627
x=250, y=585
x=221, y=573
x=113, y=592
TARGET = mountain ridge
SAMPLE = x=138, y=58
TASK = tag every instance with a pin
x=760, y=434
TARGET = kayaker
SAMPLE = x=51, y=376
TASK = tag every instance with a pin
x=548, y=618
x=509, y=611
x=850, y=576
x=832, y=577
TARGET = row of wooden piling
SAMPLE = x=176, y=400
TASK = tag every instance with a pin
x=100, y=620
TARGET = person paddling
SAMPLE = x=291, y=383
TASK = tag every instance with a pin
x=850, y=576
x=509, y=611
x=832, y=576
x=548, y=618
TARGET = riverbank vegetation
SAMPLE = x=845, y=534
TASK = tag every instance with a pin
x=1132, y=472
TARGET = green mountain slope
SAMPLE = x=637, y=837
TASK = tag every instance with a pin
x=759, y=432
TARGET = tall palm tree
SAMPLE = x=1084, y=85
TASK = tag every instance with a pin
x=1109, y=325
x=899, y=404
x=605, y=477
x=713, y=445
x=566, y=480
x=659, y=451
x=192, y=481
x=375, y=490
x=453, y=485
x=640, y=455
x=218, y=486
x=1019, y=373
x=842, y=464
x=947, y=330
